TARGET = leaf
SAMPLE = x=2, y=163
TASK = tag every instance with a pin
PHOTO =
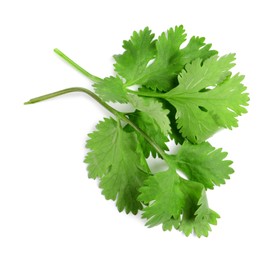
x=119, y=162
x=152, y=118
x=156, y=63
x=229, y=101
x=175, y=133
x=169, y=61
x=148, y=124
x=139, y=50
x=196, y=76
x=175, y=202
x=163, y=193
x=154, y=109
x=207, y=98
x=164, y=54
x=196, y=48
x=100, y=158
x=198, y=221
x=204, y=164
x=111, y=89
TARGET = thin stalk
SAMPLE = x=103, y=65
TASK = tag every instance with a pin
x=146, y=94
x=119, y=115
x=147, y=138
x=76, y=66
x=75, y=89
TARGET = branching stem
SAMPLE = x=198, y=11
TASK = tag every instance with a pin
x=75, y=89
x=119, y=115
x=146, y=94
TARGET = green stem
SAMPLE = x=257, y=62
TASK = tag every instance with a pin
x=147, y=94
x=115, y=112
x=147, y=138
x=75, y=89
x=76, y=66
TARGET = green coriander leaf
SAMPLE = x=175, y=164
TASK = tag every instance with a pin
x=171, y=58
x=169, y=61
x=165, y=53
x=154, y=109
x=196, y=76
x=175, y=202
x=175, y=133
x=156, y=63
x=119, y=161
x=168, y=225
x=101, y=154
x=196, y=48
x=163, y=193
x=139, y=50
x=199, y=217
x=152, y=118
x=229, y=100
x=111, y=89
x=148, y=124
x=207, y=98
x=203, y=163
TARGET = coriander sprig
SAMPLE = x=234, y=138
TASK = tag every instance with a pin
x=186, y=94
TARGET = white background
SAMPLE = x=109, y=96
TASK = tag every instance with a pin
x=49, y=209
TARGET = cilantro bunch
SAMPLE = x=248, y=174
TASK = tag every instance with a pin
x=185, y=92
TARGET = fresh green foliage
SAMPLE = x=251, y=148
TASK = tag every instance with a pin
x=176, y=202
x=140, y=49
x=112, y=151
x=186, y=92
x=166, y=54
x=103, y=89
x=146, y=123
x=203, y=163
x=153, y=120
x=207, y=98
x=154, y=110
